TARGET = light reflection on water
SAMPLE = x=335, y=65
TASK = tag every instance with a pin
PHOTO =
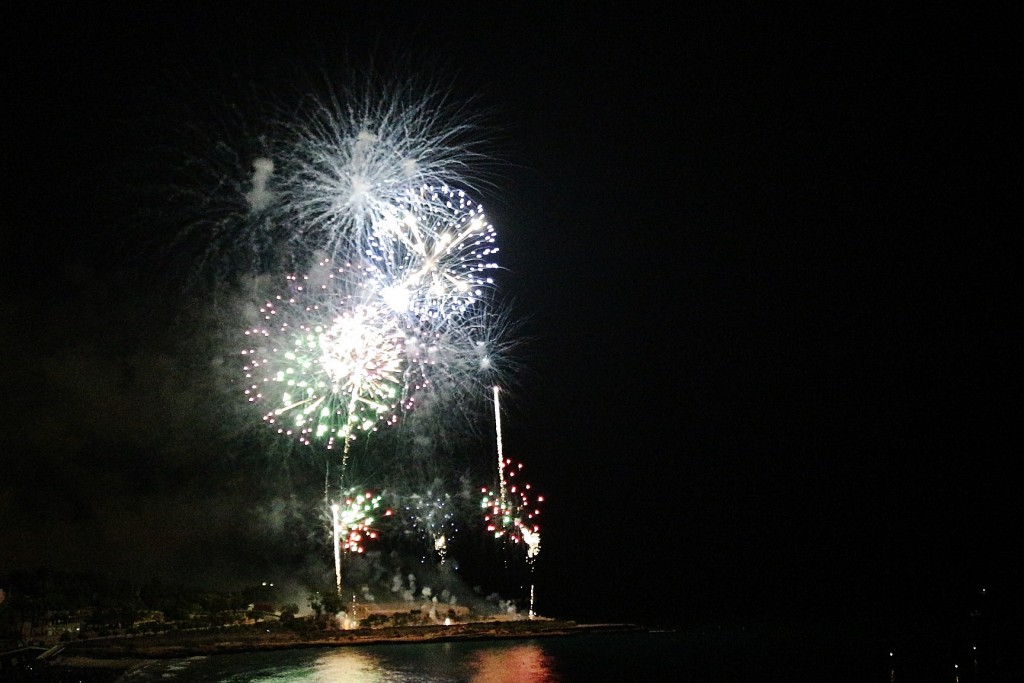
x=492, y=662
x=345, y=665
x=521, y=662
x=810, y=651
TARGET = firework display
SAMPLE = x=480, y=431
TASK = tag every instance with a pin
x=435, y=255
x=392, y=312
x=328, y=364
x=355, y=517
x=356, y=156
x=432, y=516
x=514, y=514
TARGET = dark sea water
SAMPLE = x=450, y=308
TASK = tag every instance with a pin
x=789, y=651
x=627, y=656
x=712, y=654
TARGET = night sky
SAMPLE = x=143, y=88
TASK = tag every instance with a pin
x=768, y=266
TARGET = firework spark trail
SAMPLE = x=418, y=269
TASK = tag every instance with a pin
x=502, y=487
x=336, y=532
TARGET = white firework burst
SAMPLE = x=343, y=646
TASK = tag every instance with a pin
x=435, y=253
x=355, y=156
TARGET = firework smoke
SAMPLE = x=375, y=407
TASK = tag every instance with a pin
x=388, y=322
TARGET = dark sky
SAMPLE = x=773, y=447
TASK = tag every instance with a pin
x=770, y=266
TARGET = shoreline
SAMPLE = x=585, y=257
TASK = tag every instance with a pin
x=120, y=654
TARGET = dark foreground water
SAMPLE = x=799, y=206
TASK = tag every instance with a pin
x=790, y=652
x=718, y=653
x=628, y=656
